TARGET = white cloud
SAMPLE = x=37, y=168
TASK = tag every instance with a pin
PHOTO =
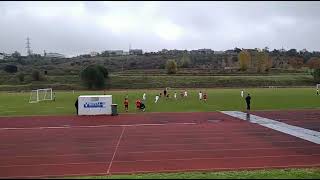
x=168, y=31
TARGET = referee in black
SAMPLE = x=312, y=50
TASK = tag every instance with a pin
x=248, y=101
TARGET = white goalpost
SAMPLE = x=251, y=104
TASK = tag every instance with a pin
x=41, y=95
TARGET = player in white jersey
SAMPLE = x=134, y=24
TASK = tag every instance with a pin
x=157, y=98
x=200, y=95
x=185, y=93
x=144, y=96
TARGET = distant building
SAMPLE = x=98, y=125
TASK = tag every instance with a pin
x=93, y=54
x=232, y=52
x=164, y=51
x=218, y=52
x=112, y=53
x=205, y=51
x=135, y=52
x=2, y=55
x=55, y=55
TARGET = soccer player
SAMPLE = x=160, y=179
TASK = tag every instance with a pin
x=54, y=96
x=181, y=94
x=200, y=95
x=185, y=93
x=242, y=93
x=157, y=98
x=165, y=92
x=248, y=101
x=205, y=96
x=138, y=103
x=126, y=104
x=144, y=96
x=175, y=95
x=142, y=106
x=317, y=91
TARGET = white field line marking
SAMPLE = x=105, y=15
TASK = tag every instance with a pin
x=217, y=169
x=115, y=151
x=306, y=134
x=58, y=164
x=217, y=158
x=46, y=176
x=161, y=160
x=176, y=170
x=164, y=151
x=98, y=126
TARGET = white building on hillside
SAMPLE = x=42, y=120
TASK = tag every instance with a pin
x=93, y=54
x=2, y=56
x=54, y=55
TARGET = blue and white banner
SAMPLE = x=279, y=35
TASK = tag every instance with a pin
x=95, y=105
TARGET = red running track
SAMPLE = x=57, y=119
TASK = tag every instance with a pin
x=151, y=142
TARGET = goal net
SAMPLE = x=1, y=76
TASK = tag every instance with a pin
x=40, y=95
x=318, y=86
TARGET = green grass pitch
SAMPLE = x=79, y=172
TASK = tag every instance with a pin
x=17, y=104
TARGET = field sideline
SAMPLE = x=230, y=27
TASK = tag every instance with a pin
x=16, y=104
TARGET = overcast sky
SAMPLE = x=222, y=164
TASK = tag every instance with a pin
x=73, y=28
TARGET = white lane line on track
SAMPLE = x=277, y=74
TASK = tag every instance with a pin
x=163, y=151
x=306, y=134
x=98, y=126
x=115, y=151
x=167, y=170
x=161, y=160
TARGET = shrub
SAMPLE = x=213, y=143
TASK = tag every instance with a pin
x=11, y=68
x=316, y=75
x=21, y=77
x=171, y=67
x=36, y=75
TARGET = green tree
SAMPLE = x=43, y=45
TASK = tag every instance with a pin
x=244, y=60
x=21, y=77
x=316, y=75
x=185, y=61
x=11, y=68
x=16, y=54
x=36, y=75
x=94, y=76
x=171, y=67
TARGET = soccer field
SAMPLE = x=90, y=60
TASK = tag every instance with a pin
x=14, y=104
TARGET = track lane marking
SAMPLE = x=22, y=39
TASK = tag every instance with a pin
x=98, y=126
x=115, y=151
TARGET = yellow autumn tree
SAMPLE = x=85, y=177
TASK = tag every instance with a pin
x=269, y=63
x=263, y=58
x=244, y=60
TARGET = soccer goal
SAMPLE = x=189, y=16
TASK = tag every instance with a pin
x=40, y=95
x=318, y=86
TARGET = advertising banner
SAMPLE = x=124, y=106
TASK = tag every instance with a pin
x=95, y=105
